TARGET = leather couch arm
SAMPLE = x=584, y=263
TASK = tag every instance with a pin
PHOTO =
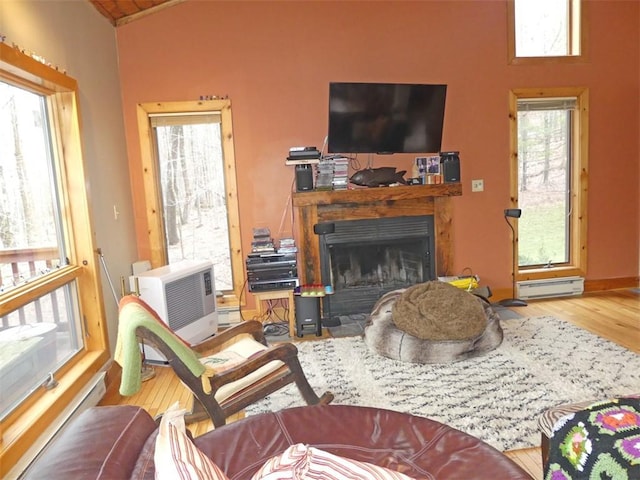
x=102, y=442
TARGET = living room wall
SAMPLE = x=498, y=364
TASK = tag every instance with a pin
x=275, y=61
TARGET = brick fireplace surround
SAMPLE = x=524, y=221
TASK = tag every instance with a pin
x=369, y=203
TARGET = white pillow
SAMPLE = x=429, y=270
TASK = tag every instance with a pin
x=302, y=462
x=176, y=457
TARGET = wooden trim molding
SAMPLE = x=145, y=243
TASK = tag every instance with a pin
x=603, y=284
x=154, y=243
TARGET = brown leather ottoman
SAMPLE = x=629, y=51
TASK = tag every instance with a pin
x=415, y=446
x=117, y=443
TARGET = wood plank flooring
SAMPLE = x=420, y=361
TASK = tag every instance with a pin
x=614, y=315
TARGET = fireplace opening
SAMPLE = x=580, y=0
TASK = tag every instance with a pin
x=364, y=259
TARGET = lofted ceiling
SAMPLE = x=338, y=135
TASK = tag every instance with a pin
x=123, y=11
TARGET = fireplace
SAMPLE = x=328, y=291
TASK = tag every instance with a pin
x=381, y=205
x=364, y=259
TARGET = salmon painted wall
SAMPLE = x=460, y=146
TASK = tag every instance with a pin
x=275, y=61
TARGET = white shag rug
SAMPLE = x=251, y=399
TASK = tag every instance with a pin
x=496, y=397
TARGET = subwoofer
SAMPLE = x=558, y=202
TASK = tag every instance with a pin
x=304, y=178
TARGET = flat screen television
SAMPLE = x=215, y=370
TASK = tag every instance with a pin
x=385, y=118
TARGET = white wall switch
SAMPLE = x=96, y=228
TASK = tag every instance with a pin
x=477, y=185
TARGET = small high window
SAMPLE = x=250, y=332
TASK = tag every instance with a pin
x=545, y=29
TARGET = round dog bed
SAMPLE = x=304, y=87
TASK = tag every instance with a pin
x=384, y=337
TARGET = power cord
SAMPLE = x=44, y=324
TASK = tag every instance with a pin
x=276, y=328
x=244, y=285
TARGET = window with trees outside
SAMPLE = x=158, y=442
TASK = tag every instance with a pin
x=546, y=30
x=549, y=165
x=52, y=327
x=189, y=163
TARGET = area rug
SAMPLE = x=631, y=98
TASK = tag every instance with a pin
x=497, y=397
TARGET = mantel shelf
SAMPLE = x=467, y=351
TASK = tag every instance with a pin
x=375, y=194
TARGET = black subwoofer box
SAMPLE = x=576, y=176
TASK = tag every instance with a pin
x=307, y=315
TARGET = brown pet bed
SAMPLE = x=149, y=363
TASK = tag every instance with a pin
x=433, y=322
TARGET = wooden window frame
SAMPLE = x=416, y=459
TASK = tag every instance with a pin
x=22, y=428
x=577, y=264
x=579, y=40
x=153, y=193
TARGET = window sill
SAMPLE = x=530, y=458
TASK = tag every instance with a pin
x=565, y=60
x=553, y=272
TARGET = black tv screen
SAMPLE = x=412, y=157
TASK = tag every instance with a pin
x=385, y=117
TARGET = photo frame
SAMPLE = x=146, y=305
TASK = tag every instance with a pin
x=433, y=165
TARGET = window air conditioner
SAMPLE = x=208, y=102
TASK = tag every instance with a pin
x=184, y=296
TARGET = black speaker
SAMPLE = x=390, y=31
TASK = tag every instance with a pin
x=307, y=314
x=304, y=178
x=450, y=167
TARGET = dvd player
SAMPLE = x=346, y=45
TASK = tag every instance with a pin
x=272, y=274
x=288, y=284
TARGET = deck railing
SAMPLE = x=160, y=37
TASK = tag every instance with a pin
x=18, y=266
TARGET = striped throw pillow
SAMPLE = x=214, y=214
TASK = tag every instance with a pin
x=302, y=462
x=176, y=457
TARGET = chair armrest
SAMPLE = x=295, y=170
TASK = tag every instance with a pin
x=285, y=352
x=251, y=327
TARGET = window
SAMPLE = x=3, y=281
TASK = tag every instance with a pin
x=549, y=166
x=43, y=334
x=543, y=30
x=52, y=333
x=189, y=161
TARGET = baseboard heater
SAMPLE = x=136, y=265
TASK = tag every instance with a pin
x=550, y=288
x=89, y=397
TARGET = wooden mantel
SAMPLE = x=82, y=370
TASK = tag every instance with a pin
x=364, y=203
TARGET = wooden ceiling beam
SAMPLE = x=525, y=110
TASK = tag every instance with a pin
x=120, y=12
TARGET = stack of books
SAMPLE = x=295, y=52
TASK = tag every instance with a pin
x=262, y=241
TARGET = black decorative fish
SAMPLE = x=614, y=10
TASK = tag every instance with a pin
x=374, y=177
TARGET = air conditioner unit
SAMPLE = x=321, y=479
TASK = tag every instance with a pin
x=184, y=296
x=550, y=287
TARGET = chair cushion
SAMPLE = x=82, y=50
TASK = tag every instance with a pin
x=233, y=355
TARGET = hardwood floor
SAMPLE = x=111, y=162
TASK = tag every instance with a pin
x=614, y=315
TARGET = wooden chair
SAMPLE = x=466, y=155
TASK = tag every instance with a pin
x=263, y=370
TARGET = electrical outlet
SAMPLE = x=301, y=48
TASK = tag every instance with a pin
x=477, y=185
